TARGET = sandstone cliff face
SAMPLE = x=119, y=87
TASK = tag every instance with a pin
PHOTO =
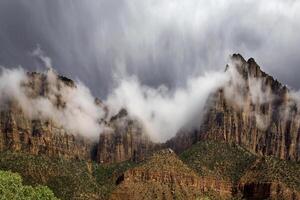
x=256, y=112
x=18, y=133
x=124, y=140
x=40, y=136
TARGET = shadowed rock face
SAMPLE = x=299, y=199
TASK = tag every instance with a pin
x=257, y=191
x=125, y=139
x=267, y=126
x=264, y=179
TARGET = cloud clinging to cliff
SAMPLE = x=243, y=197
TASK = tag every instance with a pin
x=72, y=108
x=163, y=112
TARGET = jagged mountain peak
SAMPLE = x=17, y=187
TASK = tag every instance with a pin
x=122, y=113
x=250, y=69
x=247, y=68
x=238, y=57
x=43, y=76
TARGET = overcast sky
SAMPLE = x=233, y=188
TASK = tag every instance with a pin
x=160, y=41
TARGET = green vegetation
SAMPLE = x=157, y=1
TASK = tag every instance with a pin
x=211, y=195
x=106, y=176
x=68, y=179
x=11, y=187
x=233, y=163
x=159, y=177
x=166, y=161
x=71, y=179
x=269, y=169
x=218, y=159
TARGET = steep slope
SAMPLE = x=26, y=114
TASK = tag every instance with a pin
x=252, y=177
x=218, y=159
x=253, y=110
x=271, y=178
x=165, y=176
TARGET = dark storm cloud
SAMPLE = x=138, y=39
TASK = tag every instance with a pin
x=162, y=41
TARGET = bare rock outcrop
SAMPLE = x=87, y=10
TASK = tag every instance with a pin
x=268, y=190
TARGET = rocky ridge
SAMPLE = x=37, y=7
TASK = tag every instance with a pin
x=250, y=176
